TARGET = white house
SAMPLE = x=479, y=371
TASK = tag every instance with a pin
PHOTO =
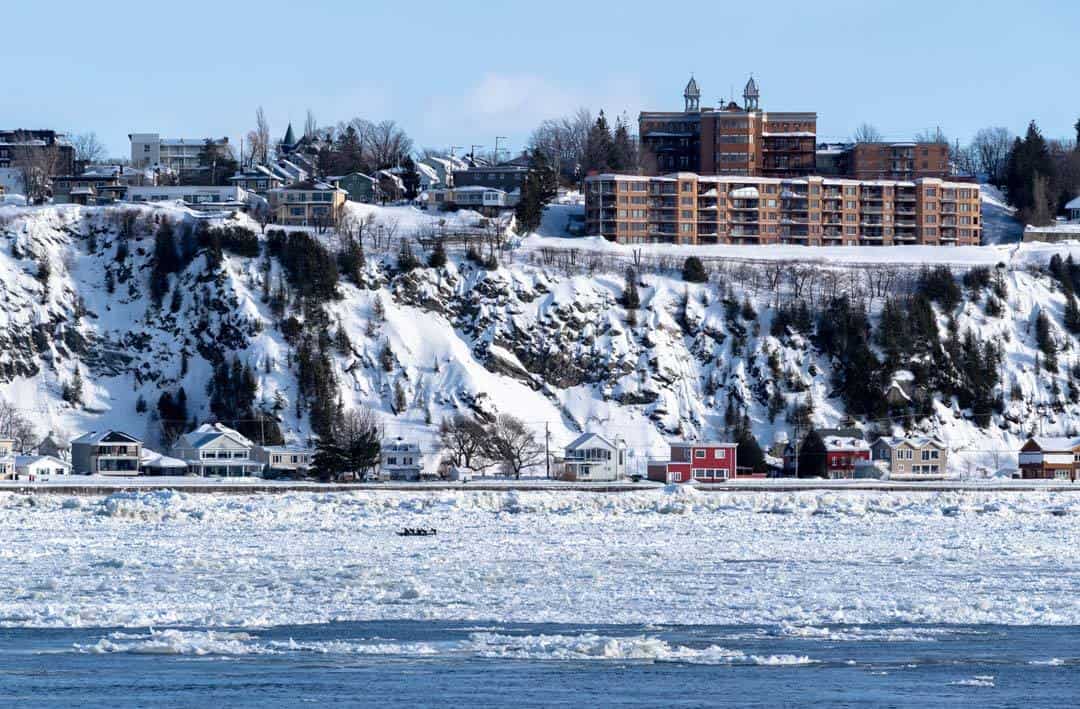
x=216, y=450
x=7, y=459
x=40, y=467
x=197, y=196
x=591, y=456
x=400, y=460
x=278, y=460
x=1073, y=208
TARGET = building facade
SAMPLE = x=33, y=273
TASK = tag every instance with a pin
x=703, y=462
x=727, y=140
x=911, y=456
x=7, y=458
x=106, y=453
x=687, y=208
x=593, y=457
x=1044, y=458
x=14, y=142
x=309, y=203
x=216, y=450
x=176, y=154
x=283, y=460
x=400, y=460
x=40, y=467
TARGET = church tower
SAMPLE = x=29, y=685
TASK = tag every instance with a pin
x=692, y=95
x=750, y=95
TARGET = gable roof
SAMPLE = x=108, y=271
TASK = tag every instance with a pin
x=915, y=441
x=1045, y=443
x=22, y=461
x=1073, y=203
x=590, y=437
x=106, y=436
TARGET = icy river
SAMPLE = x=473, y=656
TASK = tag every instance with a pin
x=660, y=598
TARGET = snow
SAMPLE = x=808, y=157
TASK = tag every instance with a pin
x=166, y=559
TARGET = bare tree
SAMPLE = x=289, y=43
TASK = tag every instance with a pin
x=310, y=125
x=37, y=162
x=386, y=144
x=563, y=139
x=261, y=148
x=991, y=147
x=515, y=445
x=866, y=133
x=88, y=148
x=935, y=135
x=15, y=426
x=467, y=442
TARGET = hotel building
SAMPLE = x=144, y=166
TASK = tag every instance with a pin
x=687, y=208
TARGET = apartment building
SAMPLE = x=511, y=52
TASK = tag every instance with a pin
x=176, y=154
x=687, y=208
x=14, y=143
x=728, y=140
x=898, y=161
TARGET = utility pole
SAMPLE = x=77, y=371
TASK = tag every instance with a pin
x=450, y=169
x=472, y=152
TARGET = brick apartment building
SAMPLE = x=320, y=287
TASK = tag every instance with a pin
x=744, y=140
x=728, y=140
x=14, y=141
x=687, y=208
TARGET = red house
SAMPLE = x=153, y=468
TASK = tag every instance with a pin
x=700, y=461
x=843, y=453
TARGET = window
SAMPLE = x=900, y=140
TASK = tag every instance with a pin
x=699, y=453
x=721, y=453
x=687, y=187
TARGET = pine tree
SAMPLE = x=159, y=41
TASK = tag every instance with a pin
x=813, y=456
x=631, y=298
x=437, y=259
x=399, y=398
x=694, y=270
x=1045, y=341
x=406, y=259
x=623, y=154
x=386, y=357
x=539, y=188
x=1072, y=314
x=599, y=147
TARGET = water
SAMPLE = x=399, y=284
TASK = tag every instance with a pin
x=415, y=663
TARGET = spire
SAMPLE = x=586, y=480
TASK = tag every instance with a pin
x=289, y=138
x=692, y=95
x=751, y=95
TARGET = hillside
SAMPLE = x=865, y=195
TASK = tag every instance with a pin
x=543, y=336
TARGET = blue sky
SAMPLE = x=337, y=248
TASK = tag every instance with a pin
x=463, y=72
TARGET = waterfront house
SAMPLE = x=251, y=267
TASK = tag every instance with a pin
x=700, y=461
x=916, y=455
x=106, y=452
x=55, y=445
x=40, y=467
x=843, y=453
x=7, y=458
x=591, y=456
x=400, y=460
x=216, y=450
x=280, y=461
x=1049, y=458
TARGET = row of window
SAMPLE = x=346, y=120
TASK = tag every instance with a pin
x=710, y=474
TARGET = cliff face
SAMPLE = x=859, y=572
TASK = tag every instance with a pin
x=551, y=345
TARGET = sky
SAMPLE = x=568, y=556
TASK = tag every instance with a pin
x=461, y=73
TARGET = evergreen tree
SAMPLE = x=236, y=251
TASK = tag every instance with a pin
x=540, y=187
x=748, y=453
x=410, y=177
x=631, y=299
x=386, y=357
x=330, y=461
x=1072, y=314
x=351, y=261
x=399, y=398
x=406, y=259
x=1045, y=341
x=437, y=259
x=599, y=147
x=623, y=154
x=694, y=270
x=813, y=456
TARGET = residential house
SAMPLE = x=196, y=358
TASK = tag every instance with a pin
x=703, y=462
x=258, y=179
x=40, y=467
x=1072, y=207
x=444, y=168
x=55, y=445
x=1049, y=458
x=507, y=176
x=391, y=188
x=916, y=455
x=308, y=203
x=486, y=200
x=216, y=450
x=106, y=452
x=158, y=465
x=289, y=171
x=358, y=186
x=843, y=453
x=429, y=176
x=400, y=460
x=7, y=458
x=87, y=189
x=284, y=460
x=591, y=456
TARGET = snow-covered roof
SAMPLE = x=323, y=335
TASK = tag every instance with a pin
x=291, y=448
x=1073, y=203
x=915, y=441
x=846, y=443
x=702, y=444
x=106, y=436
x=25, y=461
x=745, y=193
x=590, y=438
x=209, y=432
x=1046, y=443
x=162, y=462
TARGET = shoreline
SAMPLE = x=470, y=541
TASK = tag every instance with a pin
x=200, y=485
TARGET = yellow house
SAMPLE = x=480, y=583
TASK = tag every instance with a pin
x=308, y=203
